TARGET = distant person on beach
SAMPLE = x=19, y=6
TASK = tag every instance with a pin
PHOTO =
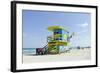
x=78, y=47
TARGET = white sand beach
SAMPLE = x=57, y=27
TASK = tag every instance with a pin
x=72, y=55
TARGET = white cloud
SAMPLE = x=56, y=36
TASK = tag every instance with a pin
x=83, y=25
x=81, y=32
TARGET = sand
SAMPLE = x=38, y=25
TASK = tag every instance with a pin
x=72, y=55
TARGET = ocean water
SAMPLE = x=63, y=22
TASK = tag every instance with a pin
x=29, y=50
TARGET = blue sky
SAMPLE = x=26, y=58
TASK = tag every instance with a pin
x=35, y=24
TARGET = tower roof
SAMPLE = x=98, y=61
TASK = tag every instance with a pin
x=52, y=28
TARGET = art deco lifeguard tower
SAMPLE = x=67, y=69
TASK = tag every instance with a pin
x=57, y=42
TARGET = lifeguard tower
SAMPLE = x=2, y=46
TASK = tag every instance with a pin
x=57, y=42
